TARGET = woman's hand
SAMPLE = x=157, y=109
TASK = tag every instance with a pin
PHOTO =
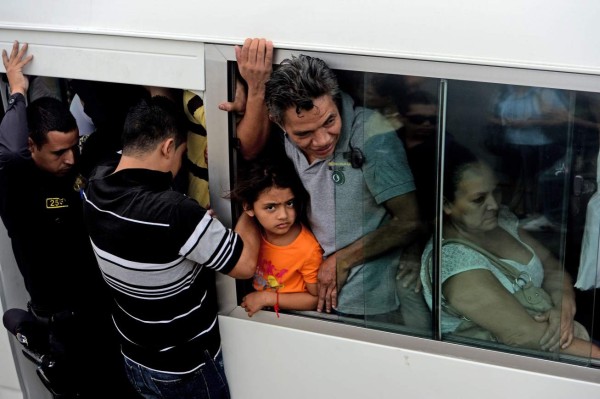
x=567, y=325
x=560, y=327
x=560, y=287
x=550, y=341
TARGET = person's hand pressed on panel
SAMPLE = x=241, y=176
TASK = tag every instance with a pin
x=19, y=83
x=255, y=63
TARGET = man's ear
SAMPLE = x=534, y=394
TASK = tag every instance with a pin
x=272, y=119
x=167, y=147
x=31, y=145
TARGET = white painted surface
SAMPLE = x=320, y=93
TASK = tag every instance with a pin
x=269, y=361
x=14, y=295
x=547, y=34
x=9, y=382
x=165, y=63
x=10, y=394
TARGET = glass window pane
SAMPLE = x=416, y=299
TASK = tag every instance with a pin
x=511, y=219
x=530, y=155
x=582, y=243
x=405, y=108
x=363, y=206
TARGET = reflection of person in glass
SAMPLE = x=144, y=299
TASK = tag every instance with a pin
x=413, y=113
x=477, y=289
x=419, y=116
x=419, y=113
x=532, y=121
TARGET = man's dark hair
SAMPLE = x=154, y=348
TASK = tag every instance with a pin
x=416, y=97
x=48, y=114
x=296, y=83
x=151, y=121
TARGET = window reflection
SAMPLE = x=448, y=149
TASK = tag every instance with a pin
x=582, y=242
x=532, y=125
x=410, y=106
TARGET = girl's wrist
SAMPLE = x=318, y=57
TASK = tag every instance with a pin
x=269, y=298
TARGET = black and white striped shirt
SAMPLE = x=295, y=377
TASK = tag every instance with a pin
x=157, y=250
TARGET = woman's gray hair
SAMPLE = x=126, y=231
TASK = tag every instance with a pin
x=296, y=83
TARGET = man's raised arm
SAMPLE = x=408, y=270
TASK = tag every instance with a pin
x=13, y=130
x=255, y=62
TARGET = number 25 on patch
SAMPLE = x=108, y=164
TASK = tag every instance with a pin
x=53, y=203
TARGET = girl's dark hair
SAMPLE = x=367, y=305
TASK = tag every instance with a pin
x=256, y=176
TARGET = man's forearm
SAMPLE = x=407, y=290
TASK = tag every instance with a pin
x=401, y=231
x=255, y=60
x=254, y=128
x=13, y=130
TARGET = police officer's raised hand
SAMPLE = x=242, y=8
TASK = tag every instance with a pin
x=14, y=68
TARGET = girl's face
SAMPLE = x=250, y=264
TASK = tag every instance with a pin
x=274, y=209
x=475, y=206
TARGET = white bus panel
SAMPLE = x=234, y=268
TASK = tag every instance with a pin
x=185, y=44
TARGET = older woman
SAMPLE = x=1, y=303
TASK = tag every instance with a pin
x=477, y=290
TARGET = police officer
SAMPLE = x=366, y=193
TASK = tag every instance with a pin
x=40, y=205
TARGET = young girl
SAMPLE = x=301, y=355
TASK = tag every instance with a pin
x=289, y=256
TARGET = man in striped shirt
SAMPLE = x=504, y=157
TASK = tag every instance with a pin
x=157, y=250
